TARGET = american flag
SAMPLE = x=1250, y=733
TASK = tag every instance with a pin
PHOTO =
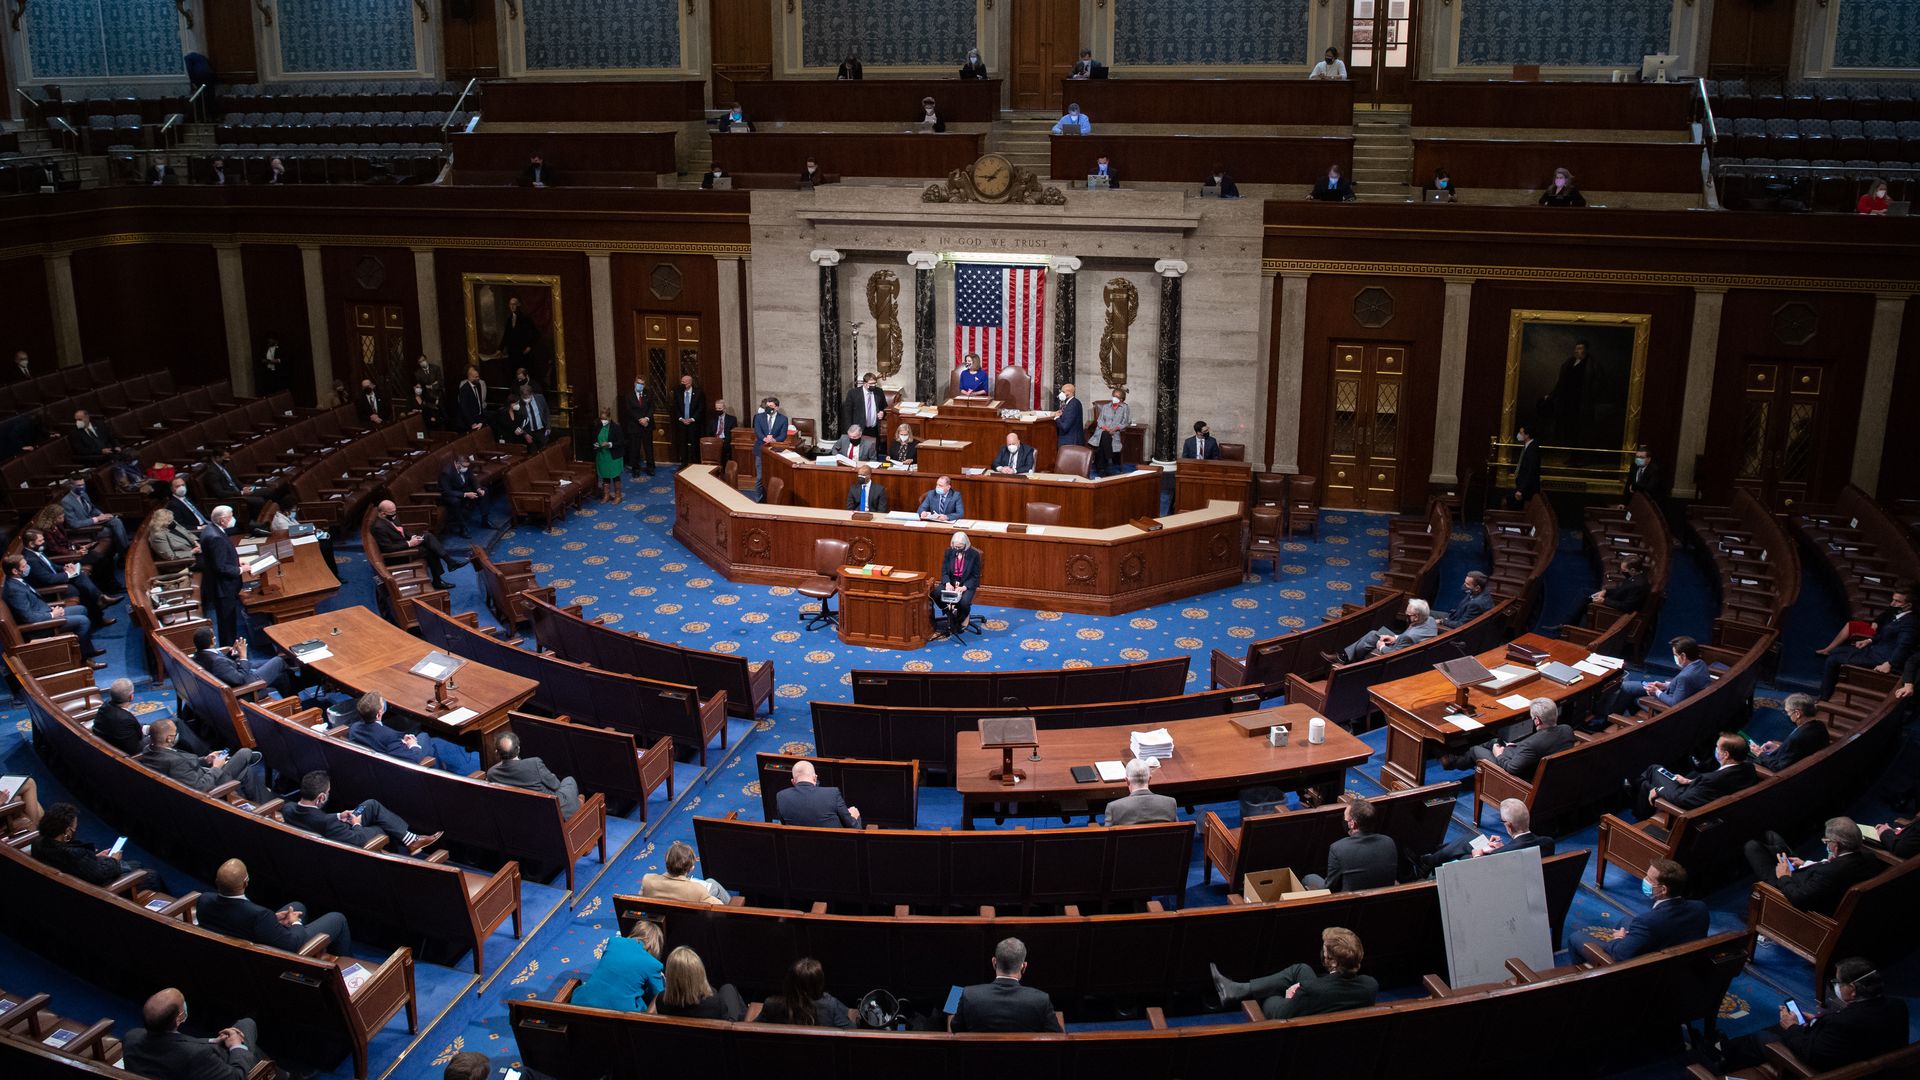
x=998, y=313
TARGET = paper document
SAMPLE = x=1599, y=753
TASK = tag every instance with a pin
x=1611, y=663
x=1111, y=771
x=1479, y=843
x=246, y=549
x=1466, y=723
x=432, y=669
x=1598, y=671
x=459, y=716
x=356, y=976
x=321, y=653
x=1871, y=832
x=1516, y=701
x=262, y=564
x=9, y=785
x=1506, y=675
x=310, y=538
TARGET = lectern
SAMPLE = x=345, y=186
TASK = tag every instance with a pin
x=1465, y=672
x=1007, y=734
x=1196, y=483
x=883, y=608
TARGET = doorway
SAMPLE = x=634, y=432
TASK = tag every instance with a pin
x=742, y=36
x=1363, y=427
x=1380, y=57
x=1046, y=41
x=1783, y=424
x=670, y=348
x=378, y=333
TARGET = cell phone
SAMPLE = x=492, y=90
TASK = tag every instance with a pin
x=953, y=1002
x=118, y=845
x=1794, y=1008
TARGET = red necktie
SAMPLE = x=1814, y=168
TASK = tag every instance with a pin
x=956, y=566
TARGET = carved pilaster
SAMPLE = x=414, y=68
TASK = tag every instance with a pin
x=829, y=263
x=1166, y=414
x=1066, y=318
x=925, y=378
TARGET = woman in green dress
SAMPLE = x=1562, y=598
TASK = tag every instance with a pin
x=609, y=456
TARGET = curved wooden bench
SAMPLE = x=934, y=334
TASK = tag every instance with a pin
x=1022, y=689
x=1269, y=663
x=1342, y=695
x=747, y=684
x=1416, y=818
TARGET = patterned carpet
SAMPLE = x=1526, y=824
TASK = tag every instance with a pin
x=622, y=562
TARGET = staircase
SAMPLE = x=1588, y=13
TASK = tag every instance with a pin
x=1024, y=139
x=1382, y=155
x=37, y=142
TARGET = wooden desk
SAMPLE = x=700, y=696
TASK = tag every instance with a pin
x=294, y=587
x=370, y=653
x=849, y=153
x=1565, y=106
x=1480, y=164
x=1266, y=102
x=1212, y=759
x=984, y=428
x=1185, y=159
x=960, y=101
x=1197, y=483
x=589, y=100
x=580, y=158
x=885, y=612
x=1086, y=504
x=1416, y=709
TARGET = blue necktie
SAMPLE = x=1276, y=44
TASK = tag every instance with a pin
x=863, y=498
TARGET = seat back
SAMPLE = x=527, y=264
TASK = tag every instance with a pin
x=1073, y=460
x=828, y=555
x=1043, y=513
x=776, y=491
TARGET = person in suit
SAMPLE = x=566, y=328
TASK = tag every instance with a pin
x=218, y=483
x=1070, y=425
x=689, y=415
x=736, y=119
x=1863, y=1023
x=1074, y=122
x=1296, y=991
x=1562, y=191
x=273, y=374
x=535, y=425
x=537, y=173
x=804, y=1000
x=1363, y=859
x=1201, y=446
x=1673, y=920
x=220, y=573
x=678, y=883
x=856, y=444
x=973, y=67
x=357, y=827
x=217, y=173
x=929, y=117
x=277, y=173
x=511, y=769
x=629, y=975
x=1103, y=169
x=43, y=573
x=162, y=172
x=1421, y=626
x=1892, y=642
x=1631, y=591
x=391, y=537
x=1807, y=736
x=233, y=914
x=811, y=176
x=1140, y=805
x=805, y=802
x=903, y=450
x=1515, y=818
x=720, y=425
x=688, y=993
x=462, y=493
x=1815, y=886
x=91, y=438
x=1013, y=458
x=1442, y=183
x=370, y=404
x=960, y=573
x=21, y=370
x=232, y=667
x=1732, y=772
x=205, y=772
x=370, y=731
x=1005, y=1005
x=79, y=511
x=866, y=403
x=1647, y=477
x=770, y=426
x=1900, y=841
x=116, y=724
x=865, y=496
x=470, y=401
x=636, y=415
x=1526, y=471
x=27, y=606
x=850, y=68
x=1475, y=601
x=1109, y=421
x=1332, y=187
x=973, y=381
x=1522, y=756
x=1692, y=678
x=1087, y=67
x=162, y=1051
x=1222, y=184
x=59, y=846
x=716, y=173
x=168, y=540
x=942, y=503
x=518, y=336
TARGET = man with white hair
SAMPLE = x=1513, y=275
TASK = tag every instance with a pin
x=1522, y=756
x=220, y=573
x=1515, y=818
x=1420, y=626
x=1140, y=805
x=807, y=803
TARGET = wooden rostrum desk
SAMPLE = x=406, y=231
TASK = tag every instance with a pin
x=1088, y=504
x=1106, y=571
x=978, y=421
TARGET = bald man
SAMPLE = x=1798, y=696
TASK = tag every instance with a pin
x=1071, y=421
x=807, y=803
x=392, y=538
x=233, y=914
x=162, y=1051
x=202, y=772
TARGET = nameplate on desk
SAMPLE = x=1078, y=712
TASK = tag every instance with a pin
x=459, y=716
x=310, y=538
x=314, y=655
x=862, y=515
x=1016, y=527
x=1147, y=524
x=246, y=549
x=1516, y=701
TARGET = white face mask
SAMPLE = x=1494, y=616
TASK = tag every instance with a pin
x=1063, y=395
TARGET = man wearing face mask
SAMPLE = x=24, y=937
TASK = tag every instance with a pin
x=942, y=503
x=1070, y=422
x=1109, y=422
x=1202, y=446
x=183, y=509
x=1673, y=920
x=769, y=426
x=1860, y=1023
x=42, y=573
x=1646, y=476
x=1732, y=772
x=636, y=415
x=866, y=496
x=91, y=438
x=1526, y=471
x=1809, y=885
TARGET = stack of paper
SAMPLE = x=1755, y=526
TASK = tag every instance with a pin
x=1157, y=743
x=1600, y=666
x=1111, y=771
x=1506, y=675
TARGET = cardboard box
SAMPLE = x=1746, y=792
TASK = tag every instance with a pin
x=1267, y=886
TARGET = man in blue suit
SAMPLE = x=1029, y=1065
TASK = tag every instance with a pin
x=233, y=914
x=1892, y=642
x=1202, y=446
x=27, y=606
x=807, y=803
x=368, y=731
x=1071, y=424
x=1475, y=601
x=769, y=426
x=1692, y=679
x=1674, y=920
x=942, y=503
x=1732, y=772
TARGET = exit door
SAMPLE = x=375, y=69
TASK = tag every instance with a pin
x=1046, y=41
x=1363, y=427
x=1380, y=50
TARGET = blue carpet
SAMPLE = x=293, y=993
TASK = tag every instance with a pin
x=641, y=579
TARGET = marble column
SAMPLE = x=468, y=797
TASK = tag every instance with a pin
x=828, y=260
x=426, y=287
x=1293, y=362
x=926, y=379
x=233, y=307
x=1453, y=381
x=1166, y=413
x=606, y=389
x=733, y=380
x=67, y=350
x=1066, y=318
x=1876, y=397
x=1703, y=347
x=319, y=332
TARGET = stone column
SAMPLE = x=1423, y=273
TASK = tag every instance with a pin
x=1066, y=318
x=1166, y=413
x=426, y=287
x=233, y=305
x=1257, y=451
x=67, y=350
x=828, y=260
x=733, y=383
x=926, y=376
x=1702, y=349
x=1453, y=381
x=319, y=325
x=1877, y=395
x=1293, y=362
x=606, y=388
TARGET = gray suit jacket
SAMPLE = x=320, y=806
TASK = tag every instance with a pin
x=1141, y=808
x=532, y=773
x=1367, y=861
x=1414, y=635
x=1522, y=757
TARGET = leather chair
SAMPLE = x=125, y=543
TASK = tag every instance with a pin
x=713, y=449
x=730, y=472
x=1303, y=504
x=1269, y=489
x=1074, y=461
x=1014, y=387
x=776, y=492
x=828, y=557
x=1233, y=451
x=1263, y=540
x=1043, y=513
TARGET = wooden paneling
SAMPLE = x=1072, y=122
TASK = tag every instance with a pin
x=152, y=306
x=1529, y=163
x=848, y=153
x=1249, y=159
x=23, y=282
x=470, y=35
x=1044, y=45
x=582, y=158
x=1562, y=105
x=1750, y=37
x=576, y=308
x=277, y=304
x=742, y=37
x=230, y=48
x=669, y=285
x=1213, y=101
x=874, y=101
x=578, y=101
x=370, y=275
x=1898, y=479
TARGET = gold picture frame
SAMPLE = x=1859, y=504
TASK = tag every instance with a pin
x=1583, y=409
x=485, y=299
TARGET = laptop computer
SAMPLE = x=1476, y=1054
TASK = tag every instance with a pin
x=723, y=183
x=1209, y=191
x=1438, y=195
x=1899, y=209
x=1096, y=182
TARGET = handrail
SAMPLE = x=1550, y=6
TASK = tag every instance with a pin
x=447, y=124
x=168, y=125
x=1713, y=130
x=193, y=99
x=30, y=99
x=1909, y=171
x=62, y=121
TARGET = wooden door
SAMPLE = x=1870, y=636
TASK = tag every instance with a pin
x=1750, y=37
x=1784, y=417
x=1046, y=42
x=470, y=39
x=670, y=346
x=1380, y=53
x=377, y=334
x=742, y=36
x=1363, y=427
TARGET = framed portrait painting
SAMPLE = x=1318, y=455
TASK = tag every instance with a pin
x=1574, y=381
x=513, y=321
